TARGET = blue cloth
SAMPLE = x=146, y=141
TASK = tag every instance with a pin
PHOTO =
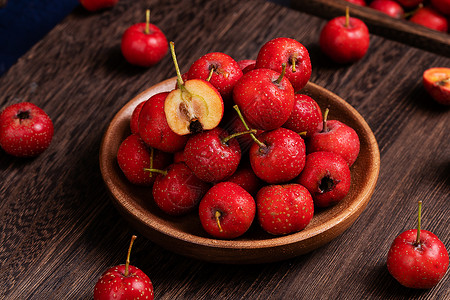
x=24, y=22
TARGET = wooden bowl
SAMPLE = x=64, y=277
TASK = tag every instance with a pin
x=185, y=236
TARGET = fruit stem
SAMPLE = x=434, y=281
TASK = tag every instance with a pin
x=347, y=17
x=211, y=72
x=325, y=117
x=260, y=144
x=293, y=61
x=151, y=160
x=127, y=263
x=283, y=71
x=156, y=171
x=147, y=21
x=180, y=81
x=226, y=139
x=408, y=14
x=419, y=224
x=217, y=215
x=302, y=133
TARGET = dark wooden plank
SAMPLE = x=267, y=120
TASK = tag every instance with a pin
x=379, y=23
x=59, y=230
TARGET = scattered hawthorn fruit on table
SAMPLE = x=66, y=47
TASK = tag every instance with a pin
x=227, y=210
x=25, y=130
x=436, y=82
x=144, y=44
x=344, y=39
x=417, y=258
x=124, y=282
x=195, y=105
x=95, y=5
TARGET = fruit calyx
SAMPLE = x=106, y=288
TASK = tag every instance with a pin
x=260, y=144
x=327, y=184
x=127, y=263
x=23, y=115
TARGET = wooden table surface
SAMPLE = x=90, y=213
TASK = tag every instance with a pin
x=60, y=230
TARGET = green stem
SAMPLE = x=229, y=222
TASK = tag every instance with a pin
x=260, y=144
x=151, y=160
x=419, y=224
x=226, y=139
x=156, y=171
x=293, y=61
x=211, y=72
x=283, y=72
x=147, y=21
x=180, y=81
x=408, y=14
x=127, y=263
x=325, y=117
x=217, y=215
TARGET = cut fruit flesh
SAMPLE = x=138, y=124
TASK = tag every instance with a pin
x=196, y=106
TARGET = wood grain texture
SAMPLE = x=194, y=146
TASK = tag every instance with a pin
x=379, y=23
x=59, y=229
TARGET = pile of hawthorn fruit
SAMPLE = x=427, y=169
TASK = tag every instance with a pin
x=432, y=14
x=237, y=141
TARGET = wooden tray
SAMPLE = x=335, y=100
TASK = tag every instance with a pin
x=381, y=24
x=185, y=236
